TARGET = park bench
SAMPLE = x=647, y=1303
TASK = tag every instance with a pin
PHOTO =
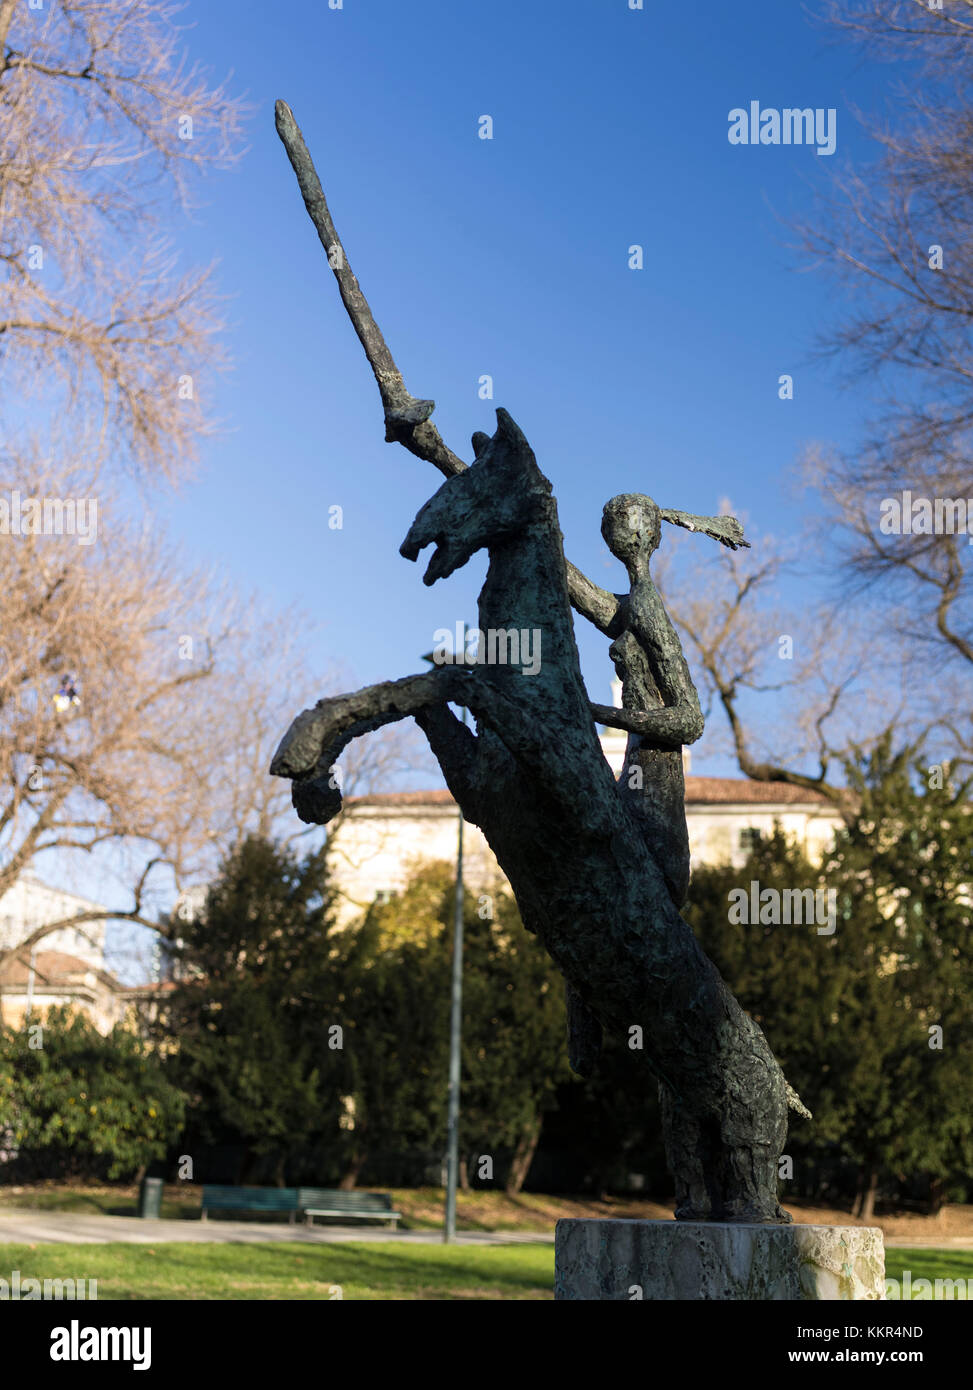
x=359, y=1206
x=262, y=1199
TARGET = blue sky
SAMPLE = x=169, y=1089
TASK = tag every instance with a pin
x=509, y=257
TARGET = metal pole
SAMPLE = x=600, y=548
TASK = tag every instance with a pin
x=455, y=1025
x=455, y=1030
x=30, y=984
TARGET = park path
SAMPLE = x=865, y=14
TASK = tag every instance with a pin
x=22, y=1227
x=25, y=1227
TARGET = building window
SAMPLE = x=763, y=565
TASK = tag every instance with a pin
x=385, y=895
x=750, y=838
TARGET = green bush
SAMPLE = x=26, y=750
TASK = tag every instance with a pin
x=73, y=1101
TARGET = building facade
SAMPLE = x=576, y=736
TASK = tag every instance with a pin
x=65, y=968
x=384, y=838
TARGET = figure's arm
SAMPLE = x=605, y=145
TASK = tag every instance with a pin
x=680, y=721
x=607, y=611
x=725, y=529
x=664, y=728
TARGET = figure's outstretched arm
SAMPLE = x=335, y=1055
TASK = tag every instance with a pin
x=407, y=419
x=725, y=529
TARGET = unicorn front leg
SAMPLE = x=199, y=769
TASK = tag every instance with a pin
x=312, y=745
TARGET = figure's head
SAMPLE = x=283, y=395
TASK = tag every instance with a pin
x=631, y=526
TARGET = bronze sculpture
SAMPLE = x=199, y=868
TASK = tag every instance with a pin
x=599, y=868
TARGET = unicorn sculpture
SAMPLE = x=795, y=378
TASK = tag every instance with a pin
x=599, y=867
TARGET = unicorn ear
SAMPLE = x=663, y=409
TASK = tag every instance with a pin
x=507, y=427
x=725, y=529
x=480, y=441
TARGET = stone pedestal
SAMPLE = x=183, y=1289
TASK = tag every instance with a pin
x=666, y=1260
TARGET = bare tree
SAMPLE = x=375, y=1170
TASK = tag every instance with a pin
x=247, y=696
x=101, y=123
x=896, y=235
x=118, y=759
x=104, y=345
x=890, y=621
x=157, y=759
x=791, y=682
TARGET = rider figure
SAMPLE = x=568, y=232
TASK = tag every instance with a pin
x=657, y=693
x=660, y=711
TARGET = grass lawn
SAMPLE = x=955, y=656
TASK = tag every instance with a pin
x=286, y=1271
x=363, y=1271
x=931, y=1265
x=98, y=1199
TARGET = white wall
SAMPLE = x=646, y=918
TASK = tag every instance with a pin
x=29, y=905
x=378, y=847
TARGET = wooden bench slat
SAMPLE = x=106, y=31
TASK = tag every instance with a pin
x=333, y=1201
x=251, y=1196
x=259, y=1199
x=333, y=1211
x=338, y=1197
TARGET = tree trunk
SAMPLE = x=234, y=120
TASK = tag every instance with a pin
x=464, y=1175
x=865, y=1201
x=279, y=1171
x=350, y=1177
x=937, y=1192
x=523, y=1158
